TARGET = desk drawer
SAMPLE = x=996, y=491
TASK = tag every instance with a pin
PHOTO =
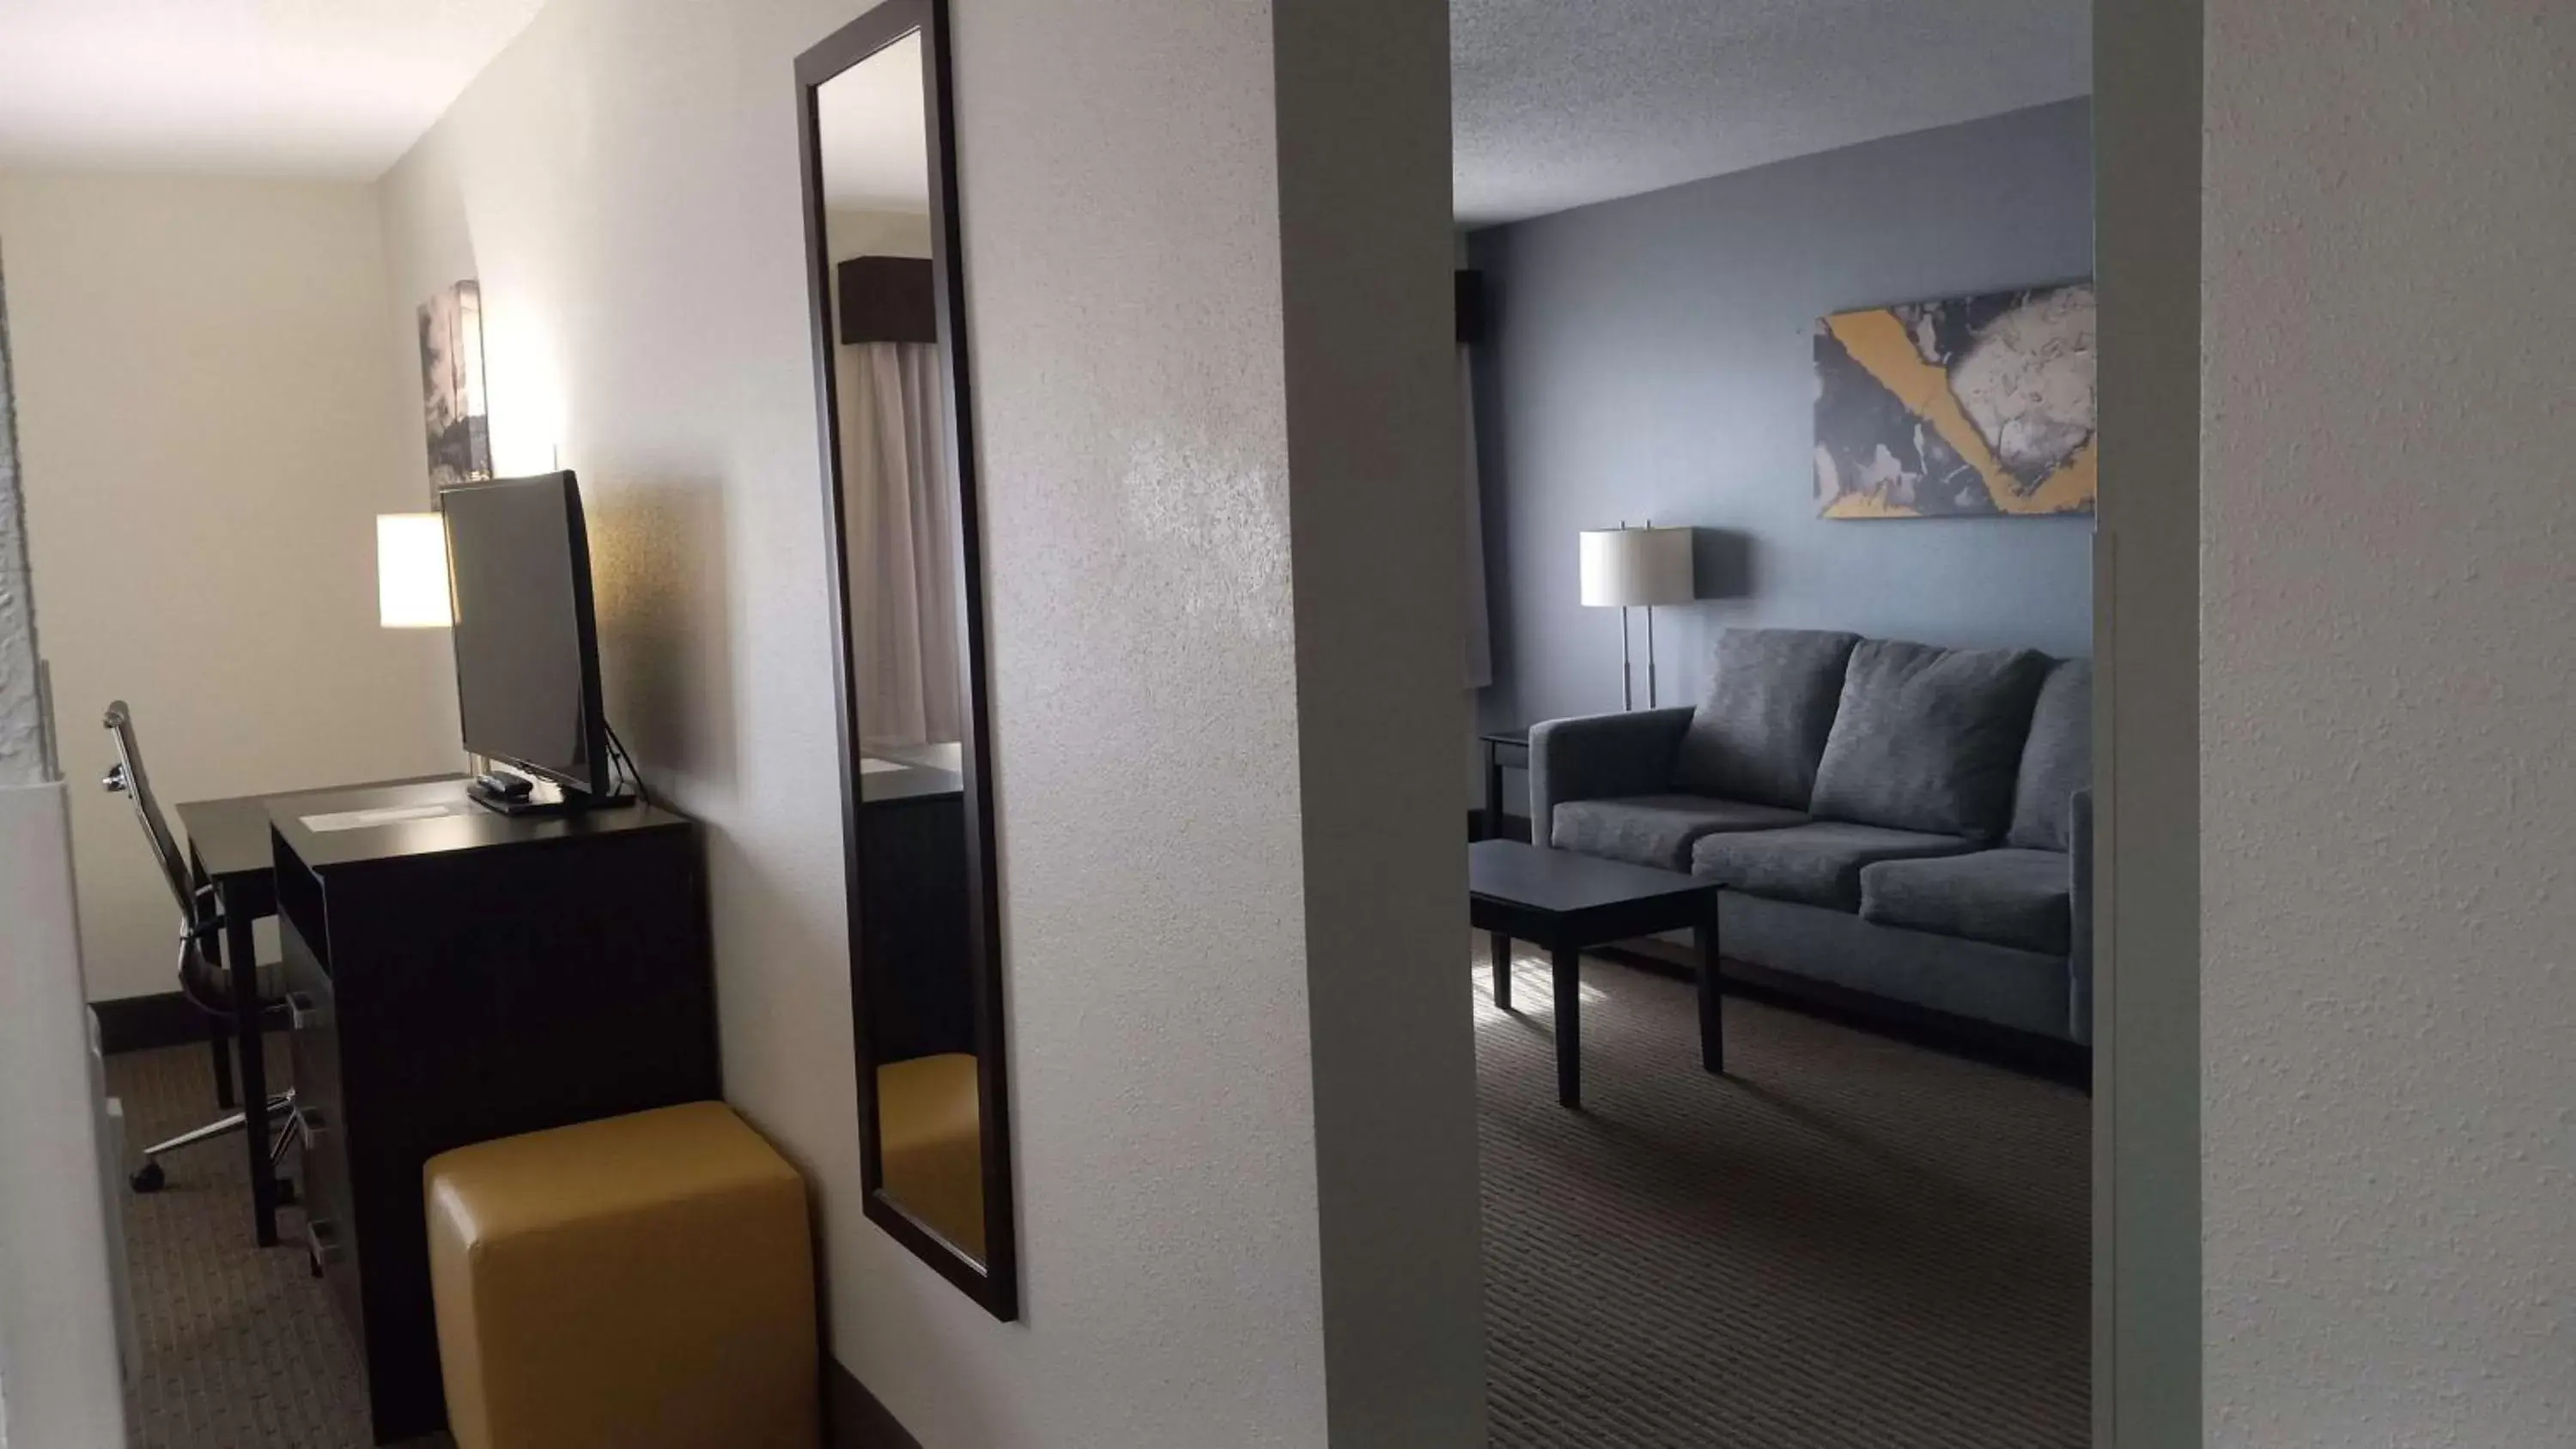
x=321, y=1158
x=312, y=1025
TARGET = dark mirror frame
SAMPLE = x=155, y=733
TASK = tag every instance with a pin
x=995, y=1281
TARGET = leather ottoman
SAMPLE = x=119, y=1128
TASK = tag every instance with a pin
x=636, y=1282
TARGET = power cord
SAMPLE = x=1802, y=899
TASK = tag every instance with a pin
x=620, y=754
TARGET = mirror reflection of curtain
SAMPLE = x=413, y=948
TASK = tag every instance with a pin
x=1480, y=635
x=899, y=507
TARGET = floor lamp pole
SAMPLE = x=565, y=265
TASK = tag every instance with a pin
x=1627, y=671
x=1651, y=701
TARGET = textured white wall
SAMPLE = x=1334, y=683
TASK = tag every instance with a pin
x=623, y=181
x=58, y=1306
x=207, y=430
x=22, y=761
x=2389, y=635
x=22, y=747
x=1375, y=449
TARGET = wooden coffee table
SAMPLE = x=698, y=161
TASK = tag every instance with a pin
x=1566, y=902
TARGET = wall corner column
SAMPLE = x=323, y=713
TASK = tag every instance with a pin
x=2147, y=1222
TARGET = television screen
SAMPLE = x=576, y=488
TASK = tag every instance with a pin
x=527, y=649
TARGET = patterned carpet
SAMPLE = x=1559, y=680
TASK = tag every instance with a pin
x=1848, y=1242
x=240, y=1346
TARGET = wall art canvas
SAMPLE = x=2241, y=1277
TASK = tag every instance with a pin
x=1964, y=407
x=451, y=385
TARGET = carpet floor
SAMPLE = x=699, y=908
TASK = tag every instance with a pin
x=1847, y=1242
x=241, y=1347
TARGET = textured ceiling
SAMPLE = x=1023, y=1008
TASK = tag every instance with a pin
x=321, y=88
x=1556, y=104
x=876, y=146
x=1562, y=104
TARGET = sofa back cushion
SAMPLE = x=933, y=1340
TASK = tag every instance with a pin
x=1761, y=730
x=1929, y=739
x=2058, y=759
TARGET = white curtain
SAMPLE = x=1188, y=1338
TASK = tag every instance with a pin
x=900, y=508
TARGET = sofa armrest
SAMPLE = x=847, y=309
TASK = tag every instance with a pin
x=2079, y=956
x=1598, y=756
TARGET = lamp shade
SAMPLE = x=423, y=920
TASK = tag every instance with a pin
x=411, y=571
x=1627, y=568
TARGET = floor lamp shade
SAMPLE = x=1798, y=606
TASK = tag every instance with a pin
x=1626, y=568
x=1631, y=568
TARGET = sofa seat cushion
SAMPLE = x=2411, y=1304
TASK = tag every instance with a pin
x=2002, y=897
x=1929, y=739
x=1657, y=830
x=1816, y=864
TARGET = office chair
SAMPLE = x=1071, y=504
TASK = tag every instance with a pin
x=202, y=978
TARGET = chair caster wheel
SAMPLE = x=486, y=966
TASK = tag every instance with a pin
x=148, y=1178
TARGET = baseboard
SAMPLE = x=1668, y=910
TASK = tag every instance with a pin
x=2064, y=1062
x=140, y=1023
x=854, y=1419
x=1514, y=827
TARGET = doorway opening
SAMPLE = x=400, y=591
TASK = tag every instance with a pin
x=1784, y=412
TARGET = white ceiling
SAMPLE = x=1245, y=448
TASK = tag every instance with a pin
x=876, y=150
x=1559, y=104
x=318, y=88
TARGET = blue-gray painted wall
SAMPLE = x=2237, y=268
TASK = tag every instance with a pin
x=1651, y=358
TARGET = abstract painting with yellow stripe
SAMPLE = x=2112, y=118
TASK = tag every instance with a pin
x=1968, y=406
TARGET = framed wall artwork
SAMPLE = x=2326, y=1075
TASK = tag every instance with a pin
x=1977, y=406
x=451, y=386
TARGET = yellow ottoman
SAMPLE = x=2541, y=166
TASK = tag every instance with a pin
x=930, y=1139
x=639, y=1282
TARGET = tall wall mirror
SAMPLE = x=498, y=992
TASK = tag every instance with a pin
x=917, y=809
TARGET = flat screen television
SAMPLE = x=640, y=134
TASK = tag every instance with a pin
x=527, y=646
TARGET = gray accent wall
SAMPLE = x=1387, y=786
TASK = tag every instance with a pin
x=1651, y=358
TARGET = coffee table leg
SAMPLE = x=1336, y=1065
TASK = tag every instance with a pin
x=1712, y=1007
x=1499, y=946
x=1569, y=1027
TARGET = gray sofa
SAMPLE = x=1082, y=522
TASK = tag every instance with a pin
x=1893, y=818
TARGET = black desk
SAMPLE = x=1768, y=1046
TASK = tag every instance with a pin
x=910, y=773
x=912, y=851
x=229, y=850
x=1565, y=902
x=458, y=976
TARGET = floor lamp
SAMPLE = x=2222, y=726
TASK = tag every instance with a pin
x=1636, y=568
